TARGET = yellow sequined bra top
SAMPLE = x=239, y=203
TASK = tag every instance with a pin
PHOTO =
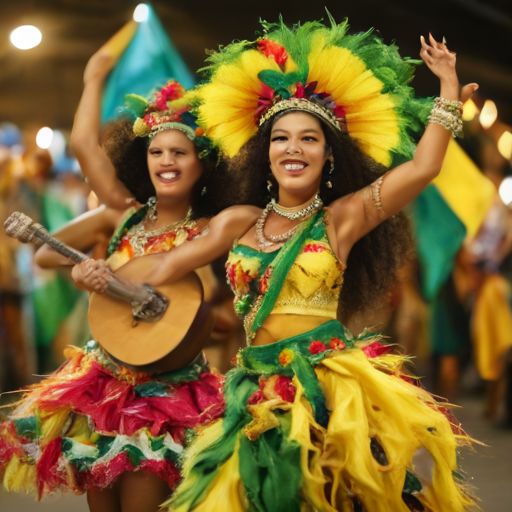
x=312, y=286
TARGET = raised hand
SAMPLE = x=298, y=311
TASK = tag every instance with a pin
x=99, y=66
x=92, y=275
x=438, y=58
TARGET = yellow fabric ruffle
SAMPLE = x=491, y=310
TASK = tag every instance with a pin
x=367, y=399
x=20, y=477
x=312, y=285
x=366, y=403
x=492, y=327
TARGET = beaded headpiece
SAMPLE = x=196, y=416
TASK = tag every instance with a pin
x=353, y=83
x=169, y=109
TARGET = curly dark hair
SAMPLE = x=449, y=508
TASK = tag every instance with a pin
x=375, y=259
x=128, y=155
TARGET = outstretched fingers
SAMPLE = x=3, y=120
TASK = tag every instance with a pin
x=426, y=51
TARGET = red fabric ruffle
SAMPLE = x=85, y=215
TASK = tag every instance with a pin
x=114, y=408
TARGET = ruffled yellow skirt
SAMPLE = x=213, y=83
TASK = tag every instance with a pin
x=325, y=423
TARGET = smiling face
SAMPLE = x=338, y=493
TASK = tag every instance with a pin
x=298, y=153
x=173, y=164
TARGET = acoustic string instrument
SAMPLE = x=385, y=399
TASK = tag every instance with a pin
x=147, y=329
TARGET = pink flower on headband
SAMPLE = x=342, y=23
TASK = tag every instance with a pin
x=170, y=92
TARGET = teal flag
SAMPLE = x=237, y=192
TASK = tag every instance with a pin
x=149, y=61
x=438, y=234
x=53, y=295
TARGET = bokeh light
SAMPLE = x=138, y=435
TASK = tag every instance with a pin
x=470, y=110
x=44, y=137
x=26, y=37
x=141, y=13
x=505, y=145
x=489, y=114
x=505, y=190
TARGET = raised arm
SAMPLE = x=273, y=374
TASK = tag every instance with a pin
x=223, y=230
x=82, y=233
x=85, y=136
x=356, y=215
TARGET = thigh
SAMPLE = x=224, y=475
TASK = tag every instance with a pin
x=104, y=500
x=142, y=491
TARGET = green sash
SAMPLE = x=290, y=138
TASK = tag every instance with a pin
x=276, y=274
x=279, y=268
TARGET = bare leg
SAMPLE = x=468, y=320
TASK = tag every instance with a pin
x=449, y=376
x=142, y=492
x=104, y=500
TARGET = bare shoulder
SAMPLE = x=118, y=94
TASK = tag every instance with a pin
x=114, y=216
x=237, y=215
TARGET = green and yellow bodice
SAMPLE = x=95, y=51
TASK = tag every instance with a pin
x=311, y=286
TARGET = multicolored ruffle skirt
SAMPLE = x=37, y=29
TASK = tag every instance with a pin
x=324, y=422
x=93, y=419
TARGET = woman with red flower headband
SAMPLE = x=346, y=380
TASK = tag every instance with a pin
x=317, y=419
x=95, y=425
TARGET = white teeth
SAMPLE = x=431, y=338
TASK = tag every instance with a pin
x=168, y=175
x=294, y=167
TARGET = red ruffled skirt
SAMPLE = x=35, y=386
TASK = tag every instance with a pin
x=93, y=419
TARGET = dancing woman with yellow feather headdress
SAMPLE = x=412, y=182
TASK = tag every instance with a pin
x=317, y=419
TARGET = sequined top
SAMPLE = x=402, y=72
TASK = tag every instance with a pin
x=312, y=286
x=132, y=241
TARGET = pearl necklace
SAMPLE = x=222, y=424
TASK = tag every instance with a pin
x=301, y=212
x=264, y=240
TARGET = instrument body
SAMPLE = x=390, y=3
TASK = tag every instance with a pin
x=168, y=344
x=164, y=339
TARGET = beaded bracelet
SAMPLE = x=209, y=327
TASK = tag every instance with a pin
x=448, y=114
x=446, y=120
x=449, y=105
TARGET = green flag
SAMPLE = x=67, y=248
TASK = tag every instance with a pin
x=150, y=60
x=438, y=234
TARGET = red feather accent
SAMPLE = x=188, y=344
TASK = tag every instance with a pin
x=114, y=408
x=273, y=50
x=48, y=473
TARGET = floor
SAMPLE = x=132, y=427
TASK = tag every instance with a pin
x=490, y=469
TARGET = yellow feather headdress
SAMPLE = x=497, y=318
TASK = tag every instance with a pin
x=354, y=83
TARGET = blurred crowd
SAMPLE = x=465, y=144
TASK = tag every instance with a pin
x=460, y=338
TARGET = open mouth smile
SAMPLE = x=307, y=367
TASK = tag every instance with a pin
x=294, y=166
x=169, y=176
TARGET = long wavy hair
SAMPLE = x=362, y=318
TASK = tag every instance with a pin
x=212, y=193
x=375, y=259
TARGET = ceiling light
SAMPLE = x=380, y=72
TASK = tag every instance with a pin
x=505, y=190
x=44, y=137
x=26, y=37
x=141, y=13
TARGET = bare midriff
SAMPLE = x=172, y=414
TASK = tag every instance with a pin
x=279, y=327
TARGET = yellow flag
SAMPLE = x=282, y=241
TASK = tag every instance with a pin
x=117, y=44
x=466, y=190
